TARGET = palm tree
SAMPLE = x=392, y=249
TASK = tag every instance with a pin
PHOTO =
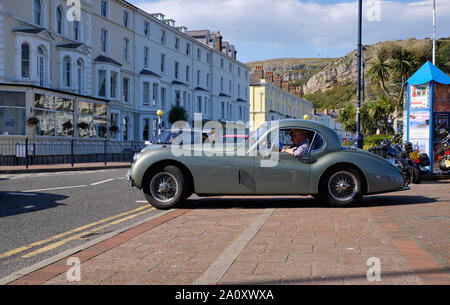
x=379, y=69
x=347, y=118
x=386, y=108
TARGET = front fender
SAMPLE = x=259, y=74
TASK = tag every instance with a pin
x=378, y=173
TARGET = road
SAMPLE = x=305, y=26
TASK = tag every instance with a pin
x=46, y=213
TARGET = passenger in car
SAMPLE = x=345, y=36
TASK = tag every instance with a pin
x=301, y=143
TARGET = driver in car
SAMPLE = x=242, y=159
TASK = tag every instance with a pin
x=301, y=143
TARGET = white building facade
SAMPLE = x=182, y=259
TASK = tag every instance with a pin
x=117, y=56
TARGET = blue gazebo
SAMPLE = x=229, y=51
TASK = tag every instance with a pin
x=427, y=110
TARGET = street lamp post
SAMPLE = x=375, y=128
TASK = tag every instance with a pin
x=358, y=141
x=159, y=113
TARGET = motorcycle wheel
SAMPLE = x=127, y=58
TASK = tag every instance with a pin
x=416, y=179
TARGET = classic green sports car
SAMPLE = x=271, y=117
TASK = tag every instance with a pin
x=327, y=170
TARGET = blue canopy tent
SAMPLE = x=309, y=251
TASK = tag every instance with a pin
x=428, y=110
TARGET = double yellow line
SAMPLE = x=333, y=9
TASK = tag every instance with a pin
x=114, y=220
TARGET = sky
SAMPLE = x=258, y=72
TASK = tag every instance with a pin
x=267, y=29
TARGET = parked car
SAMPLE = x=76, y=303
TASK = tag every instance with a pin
x=330, y=172
x=233, y=138
x=179, y=136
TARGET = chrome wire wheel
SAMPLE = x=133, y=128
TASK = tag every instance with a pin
x=164, y=187
x=343, y=186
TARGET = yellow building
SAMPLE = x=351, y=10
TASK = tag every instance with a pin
x=269, y=101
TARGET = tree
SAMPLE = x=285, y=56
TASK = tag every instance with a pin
x=347, y=117
x=379, y=69
x=386, y=108
x=177, y=113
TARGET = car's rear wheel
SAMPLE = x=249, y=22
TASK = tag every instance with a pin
x=165, y=187
x=342, y=187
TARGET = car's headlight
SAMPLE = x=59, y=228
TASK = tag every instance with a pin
x=135, y=157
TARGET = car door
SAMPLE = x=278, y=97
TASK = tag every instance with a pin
x=280, y=173
x=228, y=172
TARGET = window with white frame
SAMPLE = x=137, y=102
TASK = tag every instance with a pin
x=146, y=28
x=177, y=43
x=155, y=94
x=146, y=129
x=76, y=30
x=163, y=62
x=163, y=37
x=176, y=70
x=67, y=72
x=163, y=97
x=198, y=77
x=230, y=67
x=126, y=49
x=41, y=65
x=104, y=40
x=199, y=104
x=177, y=98
x=59, y=20
x=221, y=84
x=80, y=76
x=37, y=12
x=188, y=48
x=208, y=80
x=208, y=58
x=222, y=110
x=25, y=60
x=188, y=71
x=102, y=83
x=230, y=85
x=222, y=63
x=145, y=93
x=146, y=57
x=199, y=54
x=126, y=89
x=113, y=85
x=104, y=8
x=126, y=19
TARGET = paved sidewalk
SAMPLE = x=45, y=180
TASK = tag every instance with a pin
x=231, y=240
x=61, y=167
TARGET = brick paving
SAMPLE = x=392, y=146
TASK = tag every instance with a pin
x=305, y=243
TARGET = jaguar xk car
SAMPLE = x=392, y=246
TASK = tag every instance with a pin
x=326, y=170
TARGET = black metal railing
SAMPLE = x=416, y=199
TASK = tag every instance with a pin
x=37, y=151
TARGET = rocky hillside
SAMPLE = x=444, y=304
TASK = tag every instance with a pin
x=323, y=78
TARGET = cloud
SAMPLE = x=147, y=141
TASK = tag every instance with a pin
x=281, y=25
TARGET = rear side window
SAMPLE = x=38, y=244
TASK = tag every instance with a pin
x=317, y=143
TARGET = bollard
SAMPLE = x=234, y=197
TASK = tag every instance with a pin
x=105, y=153
x=26, y=153
x=72, y=161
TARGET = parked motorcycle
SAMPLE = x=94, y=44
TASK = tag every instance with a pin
x=444, y=152
x=405, y=158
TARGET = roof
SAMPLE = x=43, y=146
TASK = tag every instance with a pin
x=102, y=58
x=148, y=72
x=428, y=72
x=198, y=33
x=32, y=31
x=175, y=82
x=69, y=45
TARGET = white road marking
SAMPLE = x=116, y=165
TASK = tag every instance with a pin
x=55, y=188
x=20, y=194
x=100, y=182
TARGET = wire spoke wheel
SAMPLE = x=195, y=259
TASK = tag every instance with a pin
x=343, y=186
x=164, y=187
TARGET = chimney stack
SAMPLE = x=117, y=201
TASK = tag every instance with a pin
x=277, y=80
x=219, y=42
x=269, y=76
x=258, y=72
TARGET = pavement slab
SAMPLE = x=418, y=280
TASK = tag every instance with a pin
x=244, y=244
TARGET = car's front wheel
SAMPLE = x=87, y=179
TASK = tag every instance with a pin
x=342, y=186
x=165, y=187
